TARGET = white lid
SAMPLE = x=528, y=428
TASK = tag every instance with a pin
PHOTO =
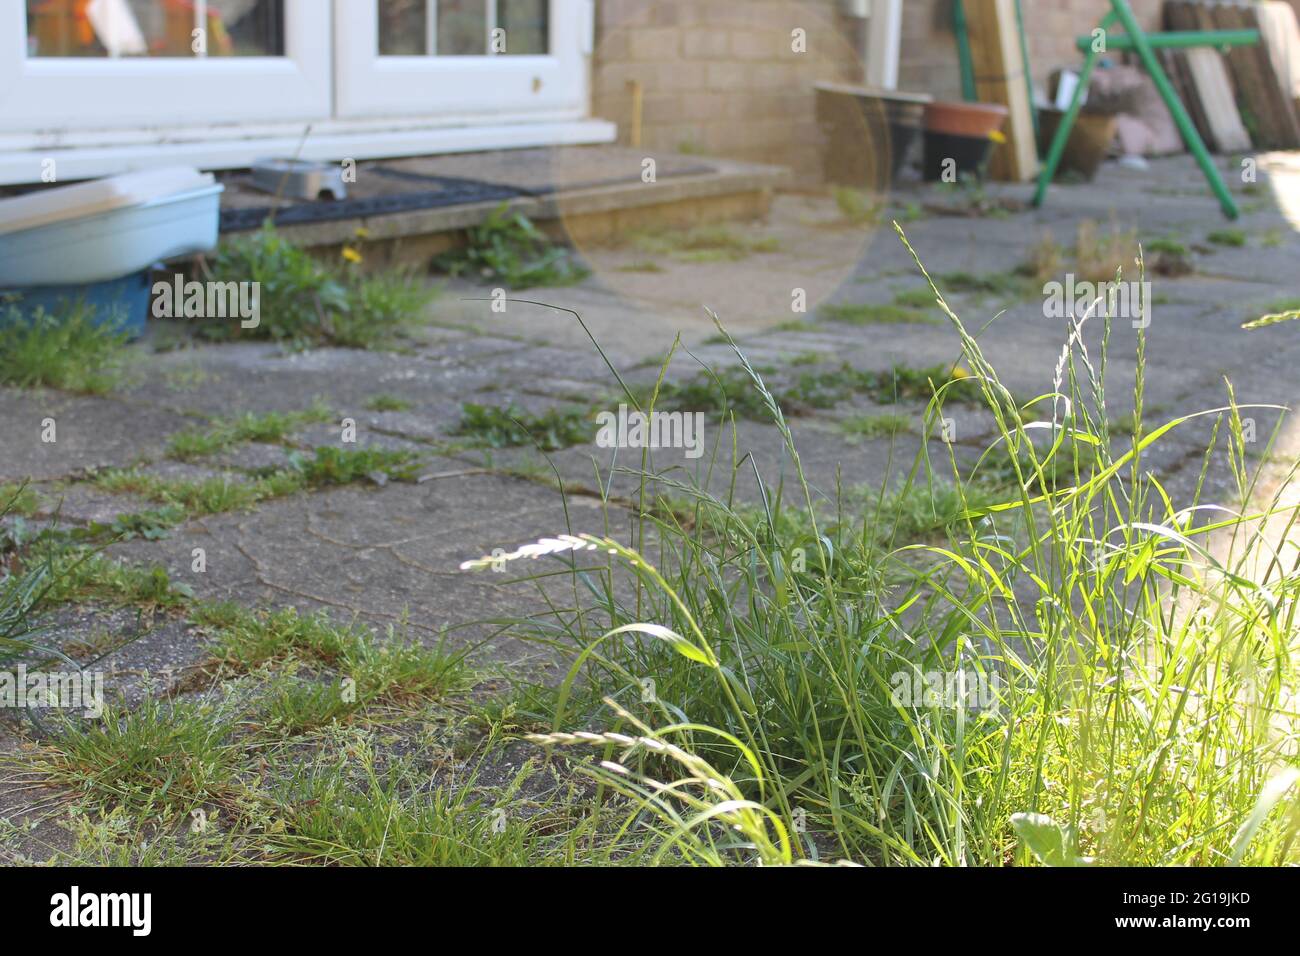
x=48, y=206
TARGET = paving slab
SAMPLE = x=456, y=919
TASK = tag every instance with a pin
x=135, y=652
x=84, y=504
x=387, y=556
x=87, y=433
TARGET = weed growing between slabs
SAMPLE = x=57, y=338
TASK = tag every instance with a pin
x=489, y=426
x=22, y=587
x=304, y=301
x=267, y=427
x=704, y=244
x=68, y=350
x=736, y=677
x=298, y=740
x=305, y=742
x=730, y=390
x=507, y=248
x=181, y=498
x=278, y=763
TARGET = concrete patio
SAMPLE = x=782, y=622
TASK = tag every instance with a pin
x=388, y=553
x=384, y=553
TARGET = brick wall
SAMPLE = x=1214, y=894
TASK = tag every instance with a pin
x=719, y=76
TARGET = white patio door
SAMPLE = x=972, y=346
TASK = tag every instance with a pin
x=113, y=64
x=106, y=86
x=462, y=60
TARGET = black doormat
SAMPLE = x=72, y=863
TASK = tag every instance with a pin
x=408, y=175
x=448, y=191
x=441, y=191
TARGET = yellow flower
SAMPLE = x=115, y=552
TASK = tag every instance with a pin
x=351, y=255
x=959, y=373
x=998, y=136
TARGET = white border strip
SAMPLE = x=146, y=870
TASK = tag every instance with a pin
x=86, y=162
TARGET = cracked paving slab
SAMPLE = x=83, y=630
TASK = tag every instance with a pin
x=88, y=433
x=262, y=377
x=83, y=504
x=138, y=652
x=387, y=556
x=828, y=459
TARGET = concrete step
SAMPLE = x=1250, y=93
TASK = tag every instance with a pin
x=414, y=208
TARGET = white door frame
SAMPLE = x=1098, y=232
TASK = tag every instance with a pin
x=884, y=41
x=460, y=89
x=54, y=93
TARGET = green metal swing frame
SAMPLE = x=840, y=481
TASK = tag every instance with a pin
x=1145, y=45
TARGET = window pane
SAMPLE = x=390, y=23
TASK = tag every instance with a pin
x=526, y=25
x=462, y=27
x=160, y=28
x=403, y=27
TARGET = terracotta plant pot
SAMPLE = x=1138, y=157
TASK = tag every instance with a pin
x=977, y=120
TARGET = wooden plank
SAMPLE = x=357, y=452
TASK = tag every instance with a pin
x=1279, y=24
x=1000, y=78
x=1269, y=115
x=1214, y=99
x=1245, y=79
x=1178, y=15
x=1272, y=92
x=1175, y=64
x=1210, y=76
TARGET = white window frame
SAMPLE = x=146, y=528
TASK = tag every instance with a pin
x=460, y=89
x=50, y=93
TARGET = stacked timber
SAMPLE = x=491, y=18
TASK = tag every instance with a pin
x=1244, y=97
x=1000, y=78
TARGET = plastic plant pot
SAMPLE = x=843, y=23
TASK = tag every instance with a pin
x=970, y=155
x=869, y=134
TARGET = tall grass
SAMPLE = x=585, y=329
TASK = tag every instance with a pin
x=1139, y=653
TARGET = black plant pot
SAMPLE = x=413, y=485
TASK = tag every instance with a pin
x=867, y=138
x=902, y=137
x=971, y=154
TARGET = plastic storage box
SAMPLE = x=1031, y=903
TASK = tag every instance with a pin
x=106, y=229
x=120, y=303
